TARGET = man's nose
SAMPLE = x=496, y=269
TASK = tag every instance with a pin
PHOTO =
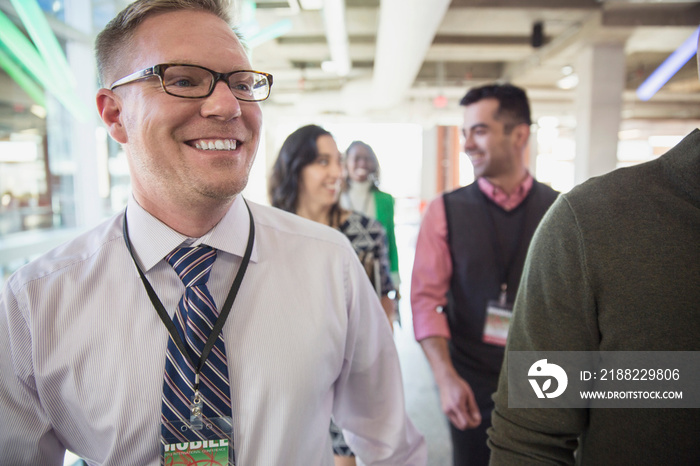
x=468, y=143
x=222, y=103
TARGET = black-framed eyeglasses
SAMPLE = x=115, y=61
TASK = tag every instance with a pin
x=196, y=82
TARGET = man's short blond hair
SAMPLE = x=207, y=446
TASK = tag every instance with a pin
x=118, y=34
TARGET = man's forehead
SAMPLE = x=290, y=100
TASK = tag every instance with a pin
x=160, y=39
x=184, y=26
x=481, y=113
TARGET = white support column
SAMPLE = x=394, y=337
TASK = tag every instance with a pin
x=601, y=71
x=83, y=141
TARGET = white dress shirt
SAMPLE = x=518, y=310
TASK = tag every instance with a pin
x=82, y=349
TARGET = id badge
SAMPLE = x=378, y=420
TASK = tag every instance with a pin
x=498, y=317
x=214, y=445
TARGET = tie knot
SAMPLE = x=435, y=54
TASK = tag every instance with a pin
x=192, y=264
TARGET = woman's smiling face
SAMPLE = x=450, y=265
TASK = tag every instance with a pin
x=319, y=182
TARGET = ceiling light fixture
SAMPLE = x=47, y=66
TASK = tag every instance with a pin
x=537, y=37
x=38, y=110
x=669, y=67
x=568, y=82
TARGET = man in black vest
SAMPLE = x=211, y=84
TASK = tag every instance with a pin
x=469, y=257
x=613, y=270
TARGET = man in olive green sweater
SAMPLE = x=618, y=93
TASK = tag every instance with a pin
x=614, y=266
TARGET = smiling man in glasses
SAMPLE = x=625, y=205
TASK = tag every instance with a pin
x=194, y=326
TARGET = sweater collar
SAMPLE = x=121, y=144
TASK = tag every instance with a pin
x=504, y=200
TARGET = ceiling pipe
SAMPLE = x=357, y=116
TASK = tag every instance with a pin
x=294, y=6
x=337, y=35
x=406, y=31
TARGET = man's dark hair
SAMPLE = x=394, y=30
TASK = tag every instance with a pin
x=513, y=105
x=298, y=151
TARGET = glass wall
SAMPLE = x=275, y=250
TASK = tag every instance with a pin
x=25, y=179
x=59, y=172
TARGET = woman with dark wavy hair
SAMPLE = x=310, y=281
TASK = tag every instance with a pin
x=306, y=180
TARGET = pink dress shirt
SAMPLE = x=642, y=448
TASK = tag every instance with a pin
x=432, y=268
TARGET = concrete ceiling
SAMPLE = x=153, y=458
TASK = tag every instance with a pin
x=406, y=53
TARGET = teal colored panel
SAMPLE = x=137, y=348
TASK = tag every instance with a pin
x=23, y=52
x=22, y=79
x=272, y=32
x=21, y=49
x=43, y=37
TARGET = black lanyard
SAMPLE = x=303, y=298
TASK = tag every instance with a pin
x=225, y=310
x=505, y=265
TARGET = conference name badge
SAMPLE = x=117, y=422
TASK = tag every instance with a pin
x=213, y=452
x=498, y=316
x=213, y=447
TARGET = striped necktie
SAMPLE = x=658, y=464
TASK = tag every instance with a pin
x=194, y=319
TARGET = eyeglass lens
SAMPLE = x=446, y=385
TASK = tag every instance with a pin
x=192, y=81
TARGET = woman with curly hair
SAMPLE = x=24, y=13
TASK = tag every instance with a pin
x=306, y=180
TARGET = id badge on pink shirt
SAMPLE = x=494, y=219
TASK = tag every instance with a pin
x=498, y=315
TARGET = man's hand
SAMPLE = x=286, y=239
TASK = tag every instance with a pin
x=458, y=403
x=456, y=396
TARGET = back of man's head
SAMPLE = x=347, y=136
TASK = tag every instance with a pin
x=117, y=35
x=513, y=105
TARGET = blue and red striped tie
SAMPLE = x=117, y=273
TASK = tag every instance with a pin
x=194, y=319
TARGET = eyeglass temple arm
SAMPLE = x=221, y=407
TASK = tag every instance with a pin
x=133, y=77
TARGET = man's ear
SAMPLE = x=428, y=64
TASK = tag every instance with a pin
x=109, y=106
x=521, y=135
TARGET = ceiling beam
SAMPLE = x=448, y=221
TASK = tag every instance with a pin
x=521, y=4
x=337, y=35
x=590, y=31
x=406, y=31
x=452, y=39
x=566, y=39
x=653, y=14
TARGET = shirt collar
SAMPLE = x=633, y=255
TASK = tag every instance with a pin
x=503, y=199
x=151, y=239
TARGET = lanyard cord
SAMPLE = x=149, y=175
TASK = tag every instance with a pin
x=504, y=266
x=225, y=310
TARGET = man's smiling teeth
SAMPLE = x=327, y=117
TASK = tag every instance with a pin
x=218, y=144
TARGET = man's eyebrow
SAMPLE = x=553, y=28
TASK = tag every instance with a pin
x=475, y=126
